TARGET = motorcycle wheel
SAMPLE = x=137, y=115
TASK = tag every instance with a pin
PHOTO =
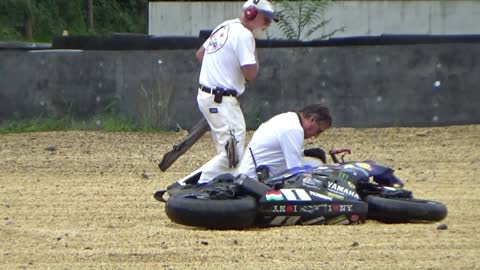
x=393, y=210
x=235, y=213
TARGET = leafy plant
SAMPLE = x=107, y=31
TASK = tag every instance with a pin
x=300, y=19
x=45, y=19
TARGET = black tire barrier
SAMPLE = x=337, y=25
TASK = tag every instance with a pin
x=204, y=34
x=174, y=43
x=392, y=39
x=147, y=42
x=16, y=45
x=78, y=42
x=405, y=210
x=278, y=43
x=126, y=42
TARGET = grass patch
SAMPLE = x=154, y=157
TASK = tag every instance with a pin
x=103, y=122
x=34, y=125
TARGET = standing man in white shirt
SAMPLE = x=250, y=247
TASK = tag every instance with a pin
x=279, y=142
x=228, y=60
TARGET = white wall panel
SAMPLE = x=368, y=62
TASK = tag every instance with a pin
x=360, y=18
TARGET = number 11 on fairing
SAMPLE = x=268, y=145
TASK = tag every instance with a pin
x=295, y=194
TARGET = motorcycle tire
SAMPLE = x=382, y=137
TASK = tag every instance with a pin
x=399, y=210
x=238, y=213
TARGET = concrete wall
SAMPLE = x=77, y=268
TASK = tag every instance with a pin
x=143, y=85
x=360, y=18
x=365, y=86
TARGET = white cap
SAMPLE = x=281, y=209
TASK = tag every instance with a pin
x=263, y=6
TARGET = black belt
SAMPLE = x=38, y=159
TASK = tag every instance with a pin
x=225, y=92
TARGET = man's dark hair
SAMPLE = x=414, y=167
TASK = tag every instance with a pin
x=318, y=112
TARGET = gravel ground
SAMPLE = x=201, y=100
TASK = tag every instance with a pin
x=83, y=200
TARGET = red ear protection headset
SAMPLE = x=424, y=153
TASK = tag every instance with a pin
x=251, y=13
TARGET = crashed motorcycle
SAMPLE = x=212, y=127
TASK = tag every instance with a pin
x=338, y=193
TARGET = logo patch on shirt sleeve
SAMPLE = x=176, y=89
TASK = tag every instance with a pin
x=213, y=110
x=218, y=39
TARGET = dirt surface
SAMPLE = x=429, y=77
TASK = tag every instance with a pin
x=83, y=200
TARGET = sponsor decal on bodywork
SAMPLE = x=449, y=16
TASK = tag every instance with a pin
x=351, y=184
x=336, y=196
x=354, y=218
x=285, y=220
x=284, y=208
x=336, y=188
x=295, y=194
x=343, y=176
x=274, y=195
x=317, y=220
x=310, y=181
x=340, y=220
x=326, y=208
x=362, y=165
x=320, y=196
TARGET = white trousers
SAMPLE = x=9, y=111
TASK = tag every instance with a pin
x=223, y=118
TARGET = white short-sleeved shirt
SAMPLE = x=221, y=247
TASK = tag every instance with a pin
x=230, y=47
x=277, y=143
